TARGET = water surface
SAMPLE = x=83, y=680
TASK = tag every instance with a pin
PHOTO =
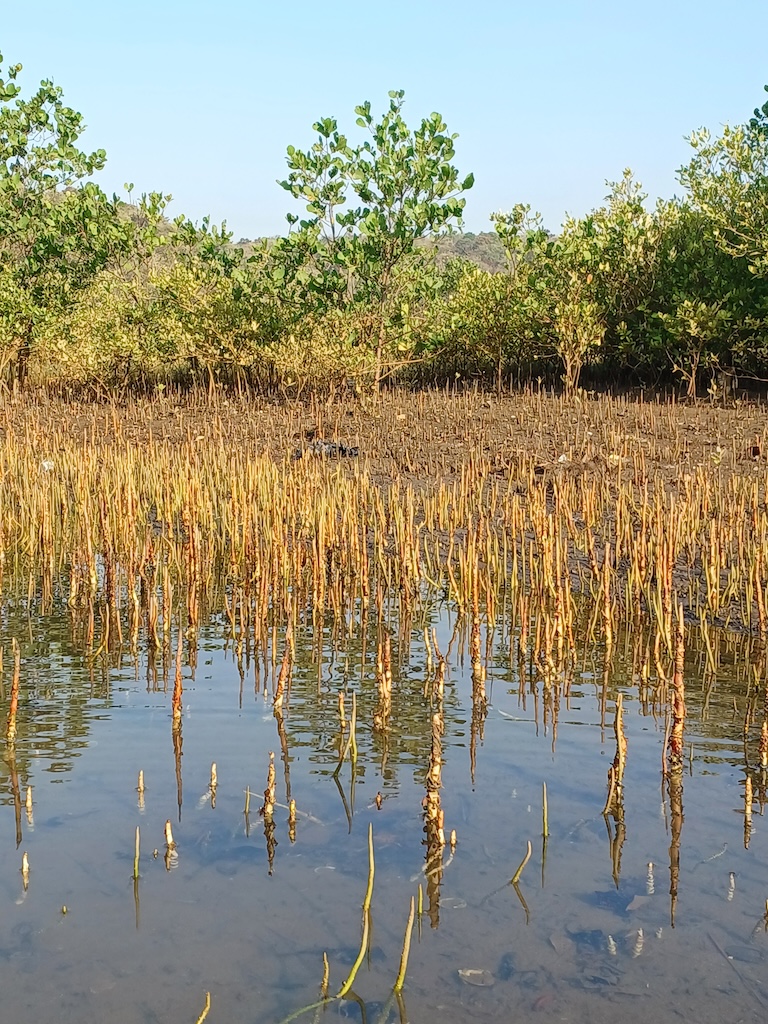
x=588, y=934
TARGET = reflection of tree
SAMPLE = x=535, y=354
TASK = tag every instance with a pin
x=267, y=811
x=614, y=804
x=720, y=712
x=176, y=722
x=675, y=775
x=675, y=794
x=314, y=719
x=433, y=813
x=68, y=664
x=178, y=743
x=479, y=699
x=62, y=685
x=13, y=775
x=59, y=691
x=285, y=754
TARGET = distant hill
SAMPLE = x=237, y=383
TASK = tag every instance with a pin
x=484, y=248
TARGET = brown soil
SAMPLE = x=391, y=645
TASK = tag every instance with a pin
x=427, y=437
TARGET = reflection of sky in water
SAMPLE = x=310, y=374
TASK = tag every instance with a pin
x=219, y=921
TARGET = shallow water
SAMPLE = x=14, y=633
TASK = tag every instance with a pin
x=586, y=936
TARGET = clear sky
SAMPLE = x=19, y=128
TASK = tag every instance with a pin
x=550, y=98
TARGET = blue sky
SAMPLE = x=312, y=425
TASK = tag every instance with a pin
x=550, y=98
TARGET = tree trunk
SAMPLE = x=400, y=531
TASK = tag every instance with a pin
x=695, y=359
x=22, y=357
x=379, y=368
x=572, y=365
x=382, y=335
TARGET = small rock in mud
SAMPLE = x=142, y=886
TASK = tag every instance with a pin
x=329, y=449
x=476, y=976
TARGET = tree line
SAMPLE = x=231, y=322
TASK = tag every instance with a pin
x=102, y=293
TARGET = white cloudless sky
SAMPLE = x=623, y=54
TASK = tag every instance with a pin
x=550, y=99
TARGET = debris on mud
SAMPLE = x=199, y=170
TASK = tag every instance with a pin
x=328, y=450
